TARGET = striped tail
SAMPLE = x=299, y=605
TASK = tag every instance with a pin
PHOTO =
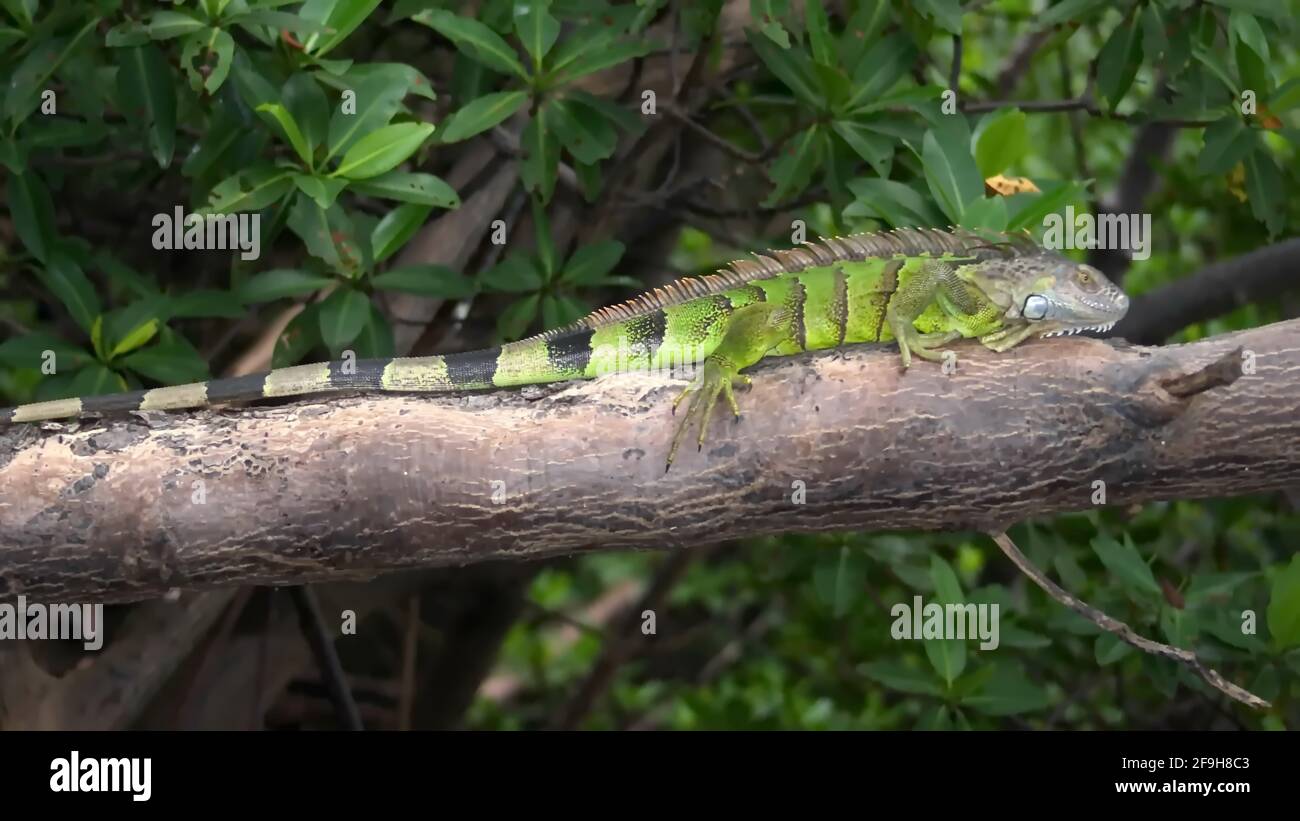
x=546, y=358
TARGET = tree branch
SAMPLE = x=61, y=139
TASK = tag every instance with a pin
x=350, y=487
x=1213, y=291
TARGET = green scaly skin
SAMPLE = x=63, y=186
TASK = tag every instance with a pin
x=920, y=288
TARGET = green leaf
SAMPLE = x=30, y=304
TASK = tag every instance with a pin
x=1002, y=140
x=839, y=581
x=96, y=380
x=903, y=679
x=547, y=257
x=541, y=156
x=560, y=311
x=135, y=338
x=876, y=149
x=513, y=275
x=948, y=657
x=986, y=212
x=1118, y=62
x=1109, y=649
x=397, y=226
x=945, y=13
x=880, y=68
x=308, y=108
x=426, y=280
x=382, y=150
x=344, y=17
x=376, y=337
x=1227, y=142
x=301, y=335
x=328, y=234
x=166, y=24
x=425, y=189
x=172, y=362
x=206, y=303
x=587, y=136
x=536, y=28
x=250, y=190
x=29, y=351
x=895, y=202
x=32, y=212
x=32, y=76
x=1248, y=31
x=794, y=167
x=1008, y=692
x=1213, y=61
x=590, y=263
x=373, y=102
x=791, y=67
x=207, y=75
x=1260, y=8
x=289, y=129
x=1028, y=209
x=276, y=20
x=280, y=283
x=819, y=33
x=65, y=279
x=516, y=319
x=481, y=114
x=950, y=170
x=1283, y=613
x=1069, y=10
x=144, y=81
x=1265, y=190
x=1124, y=561
x=323, y=190
x=589, y=59
x=475, y=40
x=342, y=316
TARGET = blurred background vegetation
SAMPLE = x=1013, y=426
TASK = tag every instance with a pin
x=441, y=176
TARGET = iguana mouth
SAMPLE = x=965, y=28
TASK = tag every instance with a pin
x=1072, y=331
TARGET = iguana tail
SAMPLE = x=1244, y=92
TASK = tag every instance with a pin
x=546, y=358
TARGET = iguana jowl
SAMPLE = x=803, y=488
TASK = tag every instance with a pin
x=921, y=288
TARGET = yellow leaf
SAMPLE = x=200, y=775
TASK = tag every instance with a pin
x=998, y=185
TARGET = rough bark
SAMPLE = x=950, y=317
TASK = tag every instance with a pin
x=355, y=486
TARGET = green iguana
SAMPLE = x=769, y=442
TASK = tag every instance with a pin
x=921, y=288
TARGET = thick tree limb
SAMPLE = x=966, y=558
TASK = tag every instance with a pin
x=354, y=486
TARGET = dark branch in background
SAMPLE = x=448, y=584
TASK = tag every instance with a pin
x=322, y=647
x=1018, y=63
x=349, y=487
x=1081, y=104
x=1213, y=291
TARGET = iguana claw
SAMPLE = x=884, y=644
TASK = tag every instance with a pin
x=717, y=377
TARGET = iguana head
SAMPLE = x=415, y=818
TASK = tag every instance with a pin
x=1047, y=294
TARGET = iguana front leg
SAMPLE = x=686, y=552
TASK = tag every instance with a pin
x=751, y=332
x=911, y=299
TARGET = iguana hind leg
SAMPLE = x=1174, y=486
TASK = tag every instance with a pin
x=752, y=331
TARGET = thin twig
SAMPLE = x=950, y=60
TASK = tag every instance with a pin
x=313, y=628
x=1122, y=631
x=410, y=645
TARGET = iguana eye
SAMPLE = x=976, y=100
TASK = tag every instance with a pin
x=1084, y=277
x=1035, y=307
